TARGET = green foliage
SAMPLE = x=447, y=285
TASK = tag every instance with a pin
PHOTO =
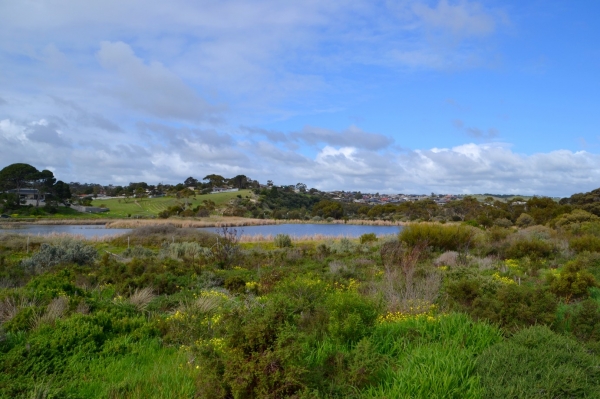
x=533, y=248
x=525, y=220
x=575, y=217
x=585, y=243
x=368, y=237
x=351, y=317
x=431, y=357
x=326, y=209
x=503, y=222
x=440, y=237
x=138, y=252
x=537, y=363
x=283, y=241
x=573, y=281
x=582, y=320
x=514, y=307
x=309, y=321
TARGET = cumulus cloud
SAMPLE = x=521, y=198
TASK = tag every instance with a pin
x=176, y=153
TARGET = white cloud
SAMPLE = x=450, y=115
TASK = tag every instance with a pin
x=179, y=153
x=152, y=88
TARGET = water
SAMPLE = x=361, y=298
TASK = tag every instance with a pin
x=299, y=230
x=295, y=230
x=88, y=231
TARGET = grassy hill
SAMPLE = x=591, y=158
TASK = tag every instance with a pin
x=153, y=206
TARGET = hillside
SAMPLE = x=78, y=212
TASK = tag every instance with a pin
x=151, y=207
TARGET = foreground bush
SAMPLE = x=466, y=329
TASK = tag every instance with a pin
x=538, y=363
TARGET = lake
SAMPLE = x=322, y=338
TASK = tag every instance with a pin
x=299, y=230
x=295, y=230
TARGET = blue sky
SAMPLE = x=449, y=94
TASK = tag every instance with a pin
x=390, y=96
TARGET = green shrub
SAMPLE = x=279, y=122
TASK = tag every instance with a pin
x=440, y=237
x=573, y=281
x=514, y=306
x=351, y=316
x=576, y=217
x=580, y=319
x=502, y=222
x=283, y=241
x=343, y=246
x=532, y=248
x=235, y=284
x=368, y=237
x=537, y=363
x=525, y=220
x=137, y=252
x=585, y=243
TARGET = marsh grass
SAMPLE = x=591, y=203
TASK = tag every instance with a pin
x=54, y=311
x=141, y=298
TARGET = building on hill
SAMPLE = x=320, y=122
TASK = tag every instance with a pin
x=216, y=190
x=28, y=194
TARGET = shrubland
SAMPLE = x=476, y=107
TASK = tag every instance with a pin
x=439, y=311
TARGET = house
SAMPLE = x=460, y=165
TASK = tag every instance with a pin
x=223, y=190
x=28, y=194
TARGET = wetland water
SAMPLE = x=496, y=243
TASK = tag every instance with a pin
x=294, y=230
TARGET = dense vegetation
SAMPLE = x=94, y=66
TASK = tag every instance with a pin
x=440, y=311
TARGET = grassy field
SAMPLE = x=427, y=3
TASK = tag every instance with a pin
x=122, y=208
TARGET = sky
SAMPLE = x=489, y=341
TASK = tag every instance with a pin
x=407, y=96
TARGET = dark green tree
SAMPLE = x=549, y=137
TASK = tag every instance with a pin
x=17, y=176
x=61, y=191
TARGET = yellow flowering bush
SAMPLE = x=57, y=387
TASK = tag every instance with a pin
x=417, y=309
x=501, y=279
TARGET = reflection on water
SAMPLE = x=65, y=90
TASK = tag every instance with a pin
x=295, y=230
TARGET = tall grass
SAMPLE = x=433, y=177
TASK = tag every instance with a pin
x=432, y=357
x=148, y=371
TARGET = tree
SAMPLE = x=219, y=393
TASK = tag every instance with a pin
x=18, y=175
x=62, y=191
x=301, y=187
x=215, y=180
x=43, y=182
x=140, y=193
x=327, y=209
x=190, y=181
x=239, y=181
